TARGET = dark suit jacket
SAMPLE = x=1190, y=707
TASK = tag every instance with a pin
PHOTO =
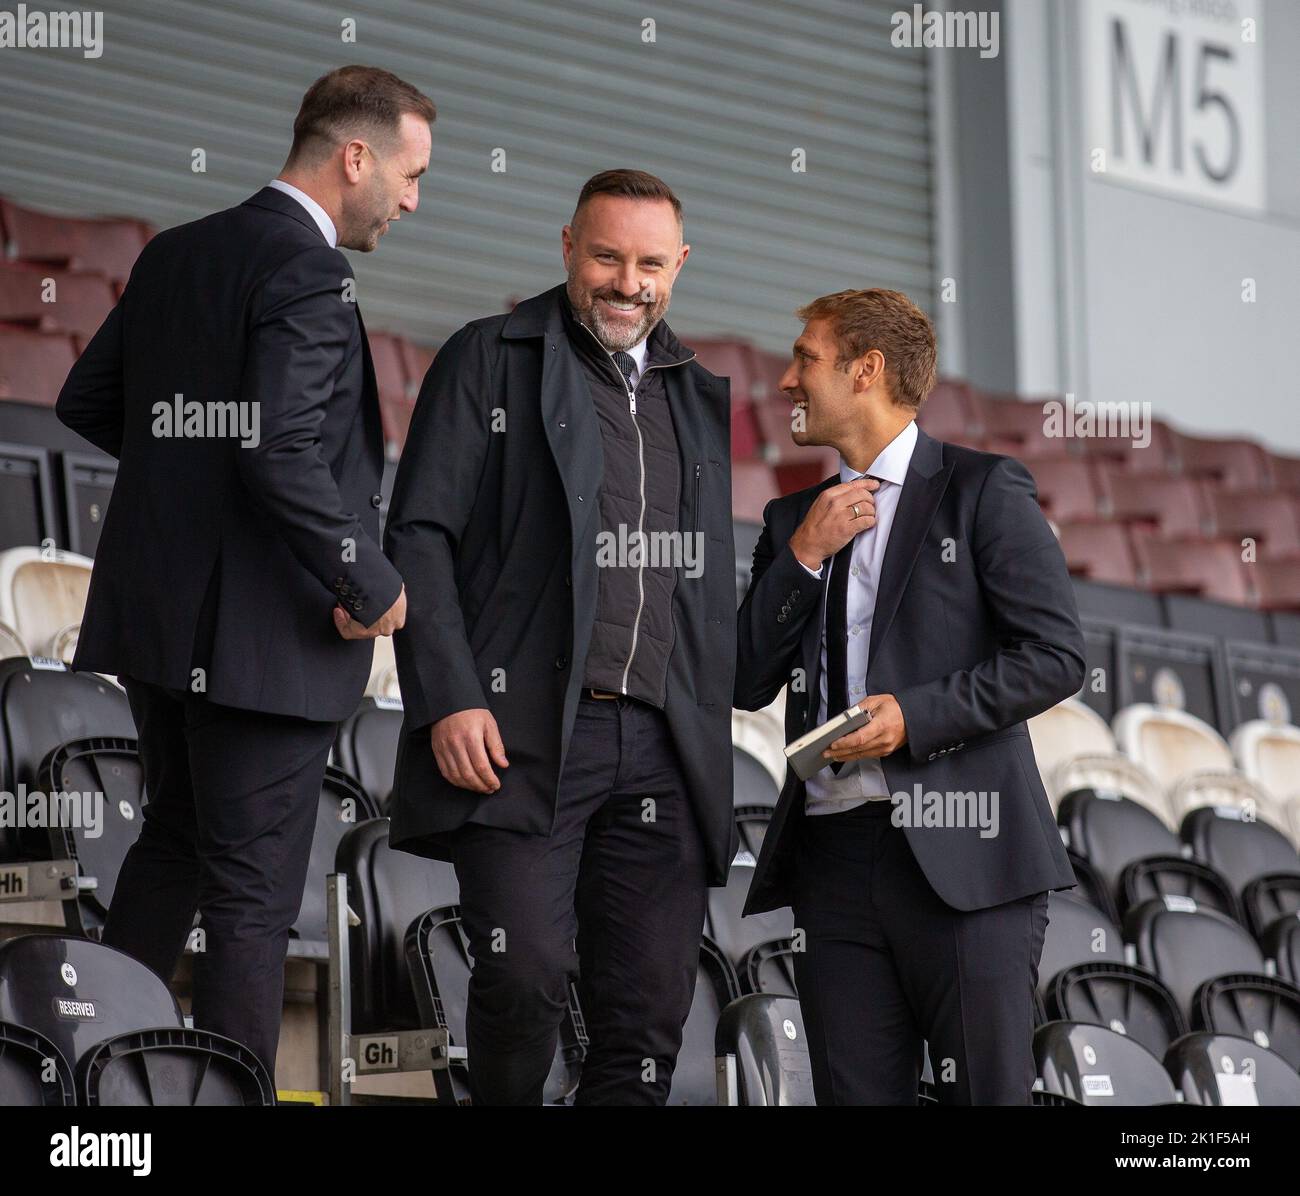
x=492, y=524
x=219, y=556
x=975, y=630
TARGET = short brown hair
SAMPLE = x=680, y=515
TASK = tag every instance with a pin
x=630, y=184
x=353, y=100
x=884, y=320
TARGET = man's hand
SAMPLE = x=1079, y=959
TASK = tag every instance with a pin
x=393, y=619
x=831, y=523
x=462, y=743
x=885, y=733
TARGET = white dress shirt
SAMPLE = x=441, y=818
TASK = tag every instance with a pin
x=860, y=780
x=638, y=352
x=314, y=210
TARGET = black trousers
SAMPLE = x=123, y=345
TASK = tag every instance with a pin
x=615, y=892
x=227, y=830
x=889, y=967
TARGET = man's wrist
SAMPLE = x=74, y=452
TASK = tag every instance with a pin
x=803, y=556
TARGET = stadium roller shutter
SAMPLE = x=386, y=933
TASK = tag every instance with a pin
x=717, y=104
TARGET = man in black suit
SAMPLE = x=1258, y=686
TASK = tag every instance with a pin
x=923, y=582
x=562, y=517
x=239, y=580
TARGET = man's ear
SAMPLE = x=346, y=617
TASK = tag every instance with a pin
x=353, y=153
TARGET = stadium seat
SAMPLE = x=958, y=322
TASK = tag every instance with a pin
x=753, y=486
x=120, y=1028
x=951, y=411
x=89, y=768
x=439, y=963
x=1090, y=887
x=104, y=246
x=751, y=826
x=760, y=734
x=1209, y=568
x=1268, y=901
x=1069, y=490
x=1097, y=1066
x=11, y=643
x=1263, y=1008
x=1109, y=776
x=366, y=747
x=769, y=968
x=34, y=365
x=1122, y=997
x=1219, y=1069
x=716, y=986
x=1233, y=464
x=1169, y=742
x=343, y=805
x=43, y=596
x=1239, y=846
x=416, y=360
x=733, y=935
x=1100, y=552
x=1269, y=518
x=1280, y=942
x=1276, y=584
x=43, y=705
x=33, y=1072
x=387, y=891
x=1175, y=876
x=736, y=361
x=1171, y=506
x=752, y=782
x=762, y=1053
x=1269, y=752
x=54, y=300
x=1112, y=831
x=1186, y=945
x=1285, y=473
x=1077, y=933
x=1228, y=790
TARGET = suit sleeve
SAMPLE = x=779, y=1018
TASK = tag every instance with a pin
x=91, y=401
x=301, y=330
x=433, y=496
x=1026, y=584
x=782, y=595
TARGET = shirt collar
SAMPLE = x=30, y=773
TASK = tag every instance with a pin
x=314, y=210
x=892, y=463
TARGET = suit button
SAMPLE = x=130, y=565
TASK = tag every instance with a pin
x=356, y=605
x=376, y=501
x=781, y=617
x=794, y=596
x=931, y=756
x=561, y=661
x=338, y=582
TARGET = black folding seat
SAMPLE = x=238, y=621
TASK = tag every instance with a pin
x=736, y=936
x=366, y=747
x=25, y=1078
x=1097, y=1066
x=762, y=1053
x=716, y=986
x=1111, y=831
x=343, y=805
x=769, y=968
x=1077, y=933
x=752, y=784
x=751, y=825
x=1269, y=900
x=439, y=964
x=1265, y=1009
x=85, y=769
x=1280, y=942
x=1220, y=1069
x=1241, y=849
x=1216, y=972
x=43, y=705
x=387, y=891
x=1175, y=876
x=1092, y=886
x=120, y=1027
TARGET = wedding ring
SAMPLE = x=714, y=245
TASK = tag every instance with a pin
x=856, y=513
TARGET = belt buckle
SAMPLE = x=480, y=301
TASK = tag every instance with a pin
x=602, y=694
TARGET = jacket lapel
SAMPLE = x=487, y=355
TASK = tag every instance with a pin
x=923, y=488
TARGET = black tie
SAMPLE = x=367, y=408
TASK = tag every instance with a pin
x=837, y=636
x=627, y=365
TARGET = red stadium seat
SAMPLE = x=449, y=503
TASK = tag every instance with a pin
x=1271, y=518
x=416, y=360
x=737, y=361
x=80, y=302
x=34, y=365
x=951, y=411
x=1202, y=566
x=1069, y=491
x=1285, y=472
x=107, y=247
x=386, y=354
x=1277, y=584
x=1015, y=427
x=1170, y=505
x=1099, y=552
x=753, y=485
x=1235, y=464
x=395, y=413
